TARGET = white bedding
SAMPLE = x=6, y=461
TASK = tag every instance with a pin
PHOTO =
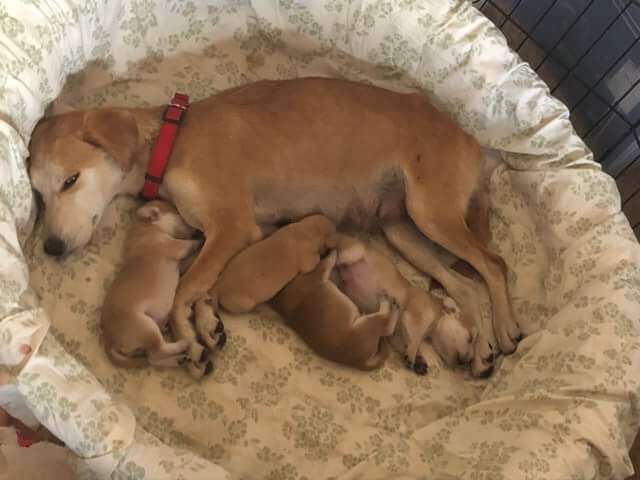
x=565, y=405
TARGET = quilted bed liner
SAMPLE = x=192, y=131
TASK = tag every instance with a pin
x=565, y=405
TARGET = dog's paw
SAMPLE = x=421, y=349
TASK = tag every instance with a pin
x=420, y=365
x=507, y=330
x=197, y=361
x=508, y=339
x=200, y=371
x=209, y=326
x=484, y=357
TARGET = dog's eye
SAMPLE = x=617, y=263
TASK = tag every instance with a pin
x=68, y=183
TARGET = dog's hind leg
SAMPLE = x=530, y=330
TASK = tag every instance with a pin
x=414, y=326
x=419, y=251
x=478, y=216
x=447, y=227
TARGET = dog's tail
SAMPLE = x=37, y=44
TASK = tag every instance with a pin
x=376, y=360
x=123, y=360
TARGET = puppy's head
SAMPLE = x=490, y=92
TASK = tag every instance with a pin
x=77, y=164
x=164, y=216
x=320, y=225
x=450, y=338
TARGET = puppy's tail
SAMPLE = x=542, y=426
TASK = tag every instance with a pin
x=123, y=360
x=376, y=360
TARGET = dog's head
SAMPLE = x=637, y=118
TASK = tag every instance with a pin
x=77, y=165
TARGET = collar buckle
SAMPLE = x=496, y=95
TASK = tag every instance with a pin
x=175, y=112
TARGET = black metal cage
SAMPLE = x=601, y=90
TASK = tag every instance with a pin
x=587, y=51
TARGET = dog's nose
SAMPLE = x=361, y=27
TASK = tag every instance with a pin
x=54, y=246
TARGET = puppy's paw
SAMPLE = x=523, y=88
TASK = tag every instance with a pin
x=197, y=361
x=385, y=305
x=395, y=306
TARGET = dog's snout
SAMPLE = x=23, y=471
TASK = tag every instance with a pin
x=54, y=246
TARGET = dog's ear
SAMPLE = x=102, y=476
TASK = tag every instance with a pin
x=114, y=131
x=150, y=213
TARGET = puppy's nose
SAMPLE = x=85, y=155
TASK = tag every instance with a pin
x=54, y=246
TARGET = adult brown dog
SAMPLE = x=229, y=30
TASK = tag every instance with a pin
x=267, y=152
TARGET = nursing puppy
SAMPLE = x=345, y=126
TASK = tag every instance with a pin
x=365, y=275
x=289, y=262
x=356, y=297
x=137, y=306
x=450, y=338
x=331, y=324
x=257, y=273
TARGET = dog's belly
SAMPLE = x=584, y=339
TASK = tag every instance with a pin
x=363, y=206
x=360, y=283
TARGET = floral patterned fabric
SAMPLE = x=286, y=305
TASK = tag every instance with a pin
x=565, y=405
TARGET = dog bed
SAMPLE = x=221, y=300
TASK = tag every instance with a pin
x=565, y=405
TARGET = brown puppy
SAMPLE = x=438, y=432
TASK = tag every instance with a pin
x=260, y=271
x=331, y=324
x=269, y=151
x=257, y=273
x=138, y=304
x=365, y=275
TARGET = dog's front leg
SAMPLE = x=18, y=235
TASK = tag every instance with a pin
x=219, y=246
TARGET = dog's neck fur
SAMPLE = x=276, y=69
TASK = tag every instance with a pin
x=148, y=121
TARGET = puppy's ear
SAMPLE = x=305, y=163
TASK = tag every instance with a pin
x=114, y=131
x=150, y=213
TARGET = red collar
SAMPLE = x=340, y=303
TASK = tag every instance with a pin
x=172, y=118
